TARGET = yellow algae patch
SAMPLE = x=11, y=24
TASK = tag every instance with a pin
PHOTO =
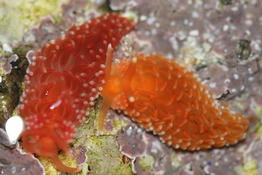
x=16, y=17
x=250, y=167
x=50, y=168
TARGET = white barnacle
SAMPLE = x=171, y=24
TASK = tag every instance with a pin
x=212, y=85
x=227, y=80
x=233, y=90
x=236, y=76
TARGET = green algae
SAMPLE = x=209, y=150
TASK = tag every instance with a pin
x=258, y=111
x=250, y=167
x=226, y=2
x=146, y=162
x=49, y=167
x=103, y=155
x=175, y=159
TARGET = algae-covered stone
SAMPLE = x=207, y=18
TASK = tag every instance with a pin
x=146, y=162
x=13, y=68
x=18, y=16
x=103, y=155
x=250, y=167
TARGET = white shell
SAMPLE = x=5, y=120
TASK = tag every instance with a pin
x=14, y=127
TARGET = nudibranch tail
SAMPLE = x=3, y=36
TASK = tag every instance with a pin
x=61, y=167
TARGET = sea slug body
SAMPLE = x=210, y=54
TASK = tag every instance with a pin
x=165, y=98
x=63, y=80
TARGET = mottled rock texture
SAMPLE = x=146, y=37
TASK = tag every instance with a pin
x=219, y=40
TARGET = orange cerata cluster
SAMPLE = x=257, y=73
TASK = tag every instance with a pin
x=162, y=97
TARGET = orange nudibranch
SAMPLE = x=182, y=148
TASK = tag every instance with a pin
x=163, y=97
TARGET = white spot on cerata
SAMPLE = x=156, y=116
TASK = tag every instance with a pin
x=134, y=59
x=102, y=65
x=131, y=99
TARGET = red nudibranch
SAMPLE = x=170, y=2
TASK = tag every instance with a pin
x=161, y=96
x=63, y=80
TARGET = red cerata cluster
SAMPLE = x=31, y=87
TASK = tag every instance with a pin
x=62, y=82
x=68, y=74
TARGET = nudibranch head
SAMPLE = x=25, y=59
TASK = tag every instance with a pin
x=43, y=145
x=46, y=144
